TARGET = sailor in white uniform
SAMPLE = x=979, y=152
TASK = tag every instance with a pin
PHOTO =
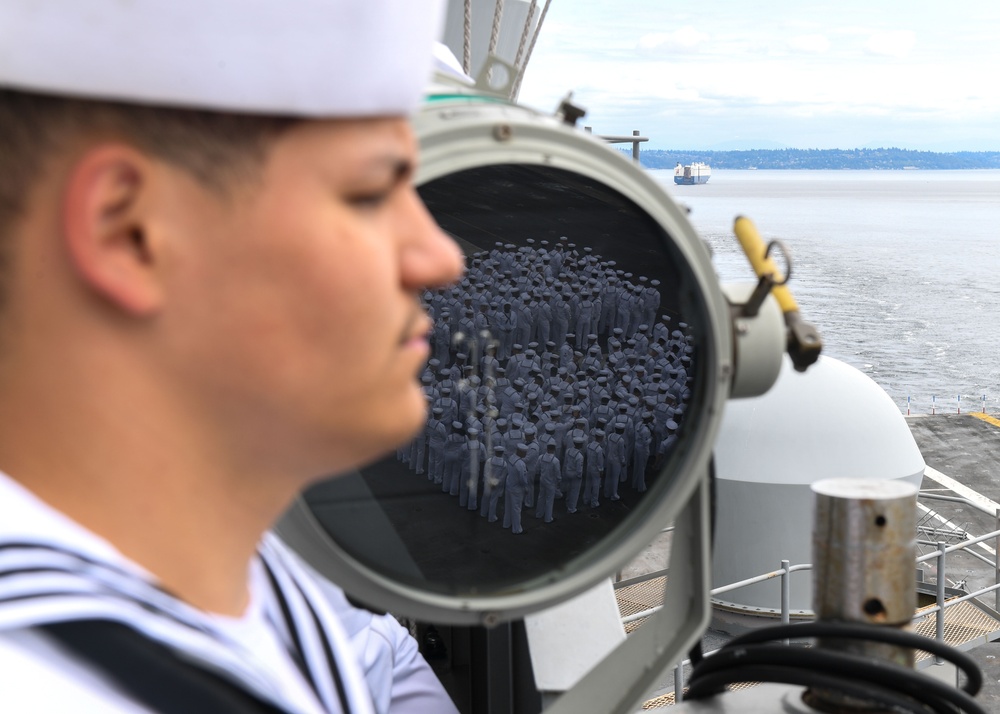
x=208, y=222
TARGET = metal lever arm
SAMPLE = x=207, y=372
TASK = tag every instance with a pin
x=804, y=341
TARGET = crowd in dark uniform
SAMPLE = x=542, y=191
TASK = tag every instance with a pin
x=553, y=377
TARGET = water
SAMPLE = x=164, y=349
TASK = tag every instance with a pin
x=898, y=269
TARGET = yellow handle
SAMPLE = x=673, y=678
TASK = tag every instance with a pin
x=755, y=248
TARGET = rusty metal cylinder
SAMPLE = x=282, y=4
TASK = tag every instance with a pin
x=864, y=550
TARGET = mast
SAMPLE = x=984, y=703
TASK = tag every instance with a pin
x=506, y=29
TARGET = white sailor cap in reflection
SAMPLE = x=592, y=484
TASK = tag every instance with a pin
x=319, y=58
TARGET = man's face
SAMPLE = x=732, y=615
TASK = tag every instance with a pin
x=300, y=322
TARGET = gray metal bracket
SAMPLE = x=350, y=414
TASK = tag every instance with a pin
x=618, y=684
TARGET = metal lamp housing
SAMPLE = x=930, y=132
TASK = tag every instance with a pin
x=461, y=130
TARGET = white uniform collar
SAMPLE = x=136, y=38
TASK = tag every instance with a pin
x=54, y=570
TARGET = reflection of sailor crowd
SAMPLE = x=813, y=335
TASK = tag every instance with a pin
x=552, y=376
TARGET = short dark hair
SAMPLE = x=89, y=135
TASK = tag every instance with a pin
x=218, y=149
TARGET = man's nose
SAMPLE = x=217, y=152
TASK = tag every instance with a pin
x=430, y=258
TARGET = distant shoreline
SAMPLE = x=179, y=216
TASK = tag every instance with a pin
x=871, y=159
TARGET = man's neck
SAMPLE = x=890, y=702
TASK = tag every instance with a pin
x=127, y=471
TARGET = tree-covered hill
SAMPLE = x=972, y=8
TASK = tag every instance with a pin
x=891, y=158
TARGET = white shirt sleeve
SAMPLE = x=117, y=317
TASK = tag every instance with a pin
x=398, y=676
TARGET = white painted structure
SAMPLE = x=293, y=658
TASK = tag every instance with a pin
x=830, y=422
x=570, y=639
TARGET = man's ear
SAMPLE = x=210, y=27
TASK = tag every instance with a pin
x=106, y=227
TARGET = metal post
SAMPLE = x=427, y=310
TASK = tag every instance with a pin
x=996, y=547
x=864, y=545
x=491, y=670
x=786, y=594
x=939, y=624
x=679, y=682
x=634, y=139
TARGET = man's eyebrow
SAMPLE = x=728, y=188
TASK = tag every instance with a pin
x=399, y=167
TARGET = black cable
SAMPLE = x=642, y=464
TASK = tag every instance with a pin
x=759, y=673
x=852, y=667
x=697, y=654
x=750, y=657
x=887, y=635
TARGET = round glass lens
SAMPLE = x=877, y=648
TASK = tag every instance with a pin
x=565, y=374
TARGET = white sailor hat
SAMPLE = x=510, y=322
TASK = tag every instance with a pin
x=314, y=58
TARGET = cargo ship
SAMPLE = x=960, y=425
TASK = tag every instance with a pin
x=692, y=174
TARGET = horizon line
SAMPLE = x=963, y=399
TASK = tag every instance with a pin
x=857, y=148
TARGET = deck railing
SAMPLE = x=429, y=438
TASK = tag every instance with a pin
x=785, y=571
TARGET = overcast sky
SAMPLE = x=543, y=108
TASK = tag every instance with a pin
x=702, y=74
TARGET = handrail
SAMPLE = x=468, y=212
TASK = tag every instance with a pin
x=785, y=571
x=958, y=546
x=780, y=572
x=974, y=554
x=957, y=499
x=956, y=600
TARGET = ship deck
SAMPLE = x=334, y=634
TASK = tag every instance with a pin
x=962, y=453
